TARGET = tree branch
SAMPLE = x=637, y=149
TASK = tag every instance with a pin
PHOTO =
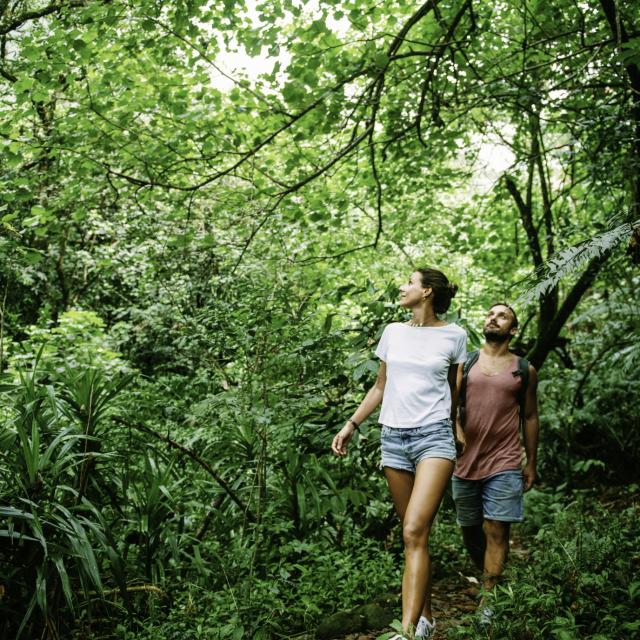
x=432, y=68
x=537, y=152
x=633, y=72
x=527, y=220
x=28, y=16
x=198, y=460
x=247, y=154
x=376, y=177
x=549, y=302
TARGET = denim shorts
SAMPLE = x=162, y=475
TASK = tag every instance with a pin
x=498, y=497
x=404, y=448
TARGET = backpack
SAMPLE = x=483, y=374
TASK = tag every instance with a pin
x=522, y=371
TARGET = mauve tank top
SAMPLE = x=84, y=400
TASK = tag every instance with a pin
x=491, y=424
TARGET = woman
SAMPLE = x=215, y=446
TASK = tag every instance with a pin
x=416, y=384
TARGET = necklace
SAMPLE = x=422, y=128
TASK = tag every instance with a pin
x=413, y=323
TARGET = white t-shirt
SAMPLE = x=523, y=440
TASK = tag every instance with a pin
x=418, y=358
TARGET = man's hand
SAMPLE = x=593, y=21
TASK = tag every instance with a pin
x=529, y=475
x=341, y=440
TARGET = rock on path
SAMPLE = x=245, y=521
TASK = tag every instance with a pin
x=453, y=597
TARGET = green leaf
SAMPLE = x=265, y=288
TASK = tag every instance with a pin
x=64, y=580
x=41, y=589
x=23, y=85
x=381, y=59
x=12, y=512
x=31, y=53
x=16, y=535
x=32, y=221
x=38, y=210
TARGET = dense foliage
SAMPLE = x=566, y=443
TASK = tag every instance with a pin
x=196, y=263
x=579, y=580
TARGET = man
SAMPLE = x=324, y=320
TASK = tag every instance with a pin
x=498, y=394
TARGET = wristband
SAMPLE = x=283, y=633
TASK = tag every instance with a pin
x=354, y=423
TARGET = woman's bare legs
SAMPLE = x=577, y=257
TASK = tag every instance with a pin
x=416, y=499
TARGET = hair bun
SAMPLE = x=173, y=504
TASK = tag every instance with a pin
x=443, y=290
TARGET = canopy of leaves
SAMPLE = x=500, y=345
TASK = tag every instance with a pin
x=196, y=260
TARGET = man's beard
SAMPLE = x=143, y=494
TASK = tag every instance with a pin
x=493, y=335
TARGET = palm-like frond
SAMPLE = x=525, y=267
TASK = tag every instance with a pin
x=569, y=260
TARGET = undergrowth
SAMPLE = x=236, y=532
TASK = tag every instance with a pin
x=581, y=578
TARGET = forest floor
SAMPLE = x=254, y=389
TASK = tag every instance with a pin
x=454, y=597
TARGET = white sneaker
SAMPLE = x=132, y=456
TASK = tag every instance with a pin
x=484, y=619
x=425, y=629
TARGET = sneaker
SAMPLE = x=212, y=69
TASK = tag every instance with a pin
x=425, y=629
x=484, y=617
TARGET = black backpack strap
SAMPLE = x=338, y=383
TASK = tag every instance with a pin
x=523, y=372
x=472, y=358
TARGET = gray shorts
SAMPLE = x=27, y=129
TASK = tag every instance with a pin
x=498, y=497
x=404, y=448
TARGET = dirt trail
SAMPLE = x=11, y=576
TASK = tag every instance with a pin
x=454, y=596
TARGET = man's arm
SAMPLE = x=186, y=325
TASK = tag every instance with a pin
x=531, y=429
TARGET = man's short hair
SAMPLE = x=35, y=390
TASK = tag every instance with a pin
x=504, y=304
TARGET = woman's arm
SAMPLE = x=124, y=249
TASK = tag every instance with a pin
x=455, y=383
x=368, y=405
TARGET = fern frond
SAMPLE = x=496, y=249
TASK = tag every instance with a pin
x=569, y=260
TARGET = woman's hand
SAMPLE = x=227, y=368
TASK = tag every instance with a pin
x=342, y=438
x=461, y=441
